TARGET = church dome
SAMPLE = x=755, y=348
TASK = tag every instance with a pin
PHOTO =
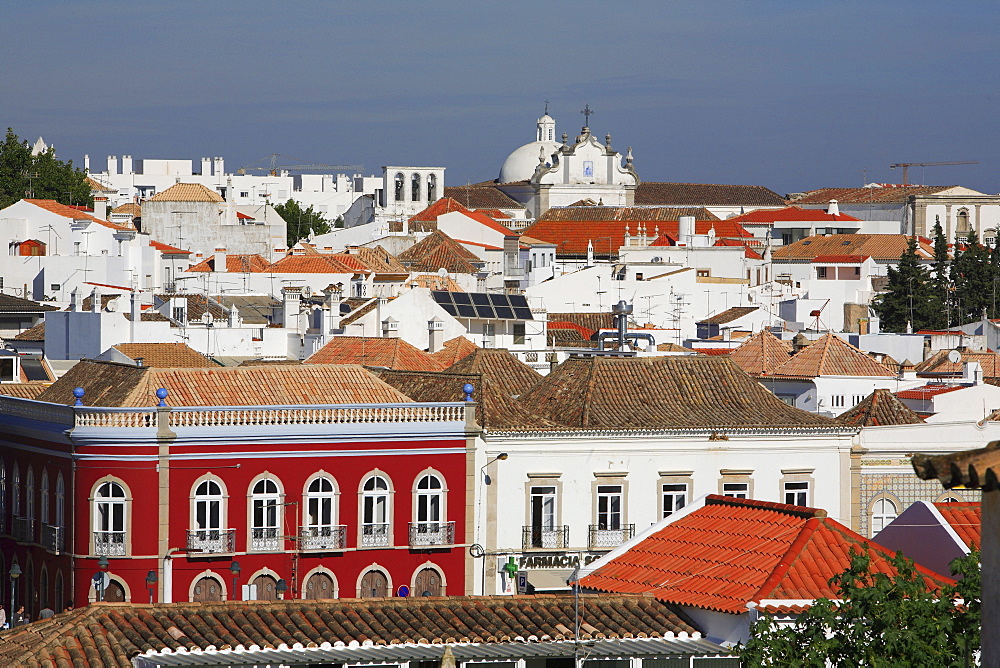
x=520, y=165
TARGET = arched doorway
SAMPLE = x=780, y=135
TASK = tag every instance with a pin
x=374, y=585
x=267, y=588
x=319, y=585
x=427, y=583
x=207, y=590
x=115, y=593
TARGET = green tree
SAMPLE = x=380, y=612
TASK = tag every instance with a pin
x=940, y=279
x=301, y=223
x=43, y=176
x=972, y=280
x=878, y=620
x=909, y=294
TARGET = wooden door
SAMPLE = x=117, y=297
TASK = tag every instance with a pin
x=374, y=585
x=319, y=585
x=207, y=590
x=427, y=583
x=267, y=588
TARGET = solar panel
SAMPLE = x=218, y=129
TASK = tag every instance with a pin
x=523, y=314
x=518, y=301
x=487, y=305
x=505, y=312
x=462, y=298
x=467, y=311
x=481, y=298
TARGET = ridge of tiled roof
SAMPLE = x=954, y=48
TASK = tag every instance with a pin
x=125, y=385
x=731, y=552
x=966, y=518
x=927, y=392
x=594, y=320
x=939, y=364
x=881, y=247
x=12, y=304
x=791, y=213
x=509, y=374
x=730, y=314
x=165, y=355
x=130, y=208
x=55, y=207
x=434, y=282
x=235, y=264
x=867, y=195
x=482, y=196
x=830, y=355
x=705, y=194
x=36, y=333
x=315, y=263
x=377, y=259
x=187, y=192
x=391, y=353
x=449, y=205
x=453, y=350
x=881, y=408
x=27, y=390
x=677, y=392
x=439, y=251
x=761, y=354
x=629, y=214
x=124, y=630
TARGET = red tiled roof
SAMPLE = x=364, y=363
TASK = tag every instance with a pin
x=830, y=355
x=939, y=363
x=317, y=263
x=55, y=207
x=454, y=350
x=705, y=194
x=713, y=352
x=440, y=251
x=187, y=192
x=507, y=373
x=392, y=353
x=748, y=252
x=840, y=259
x=167, y=249
x=448, y=205
x=793, y=214
x=235, y=264
x=926, y=392
x=879, y=409
x=733, y=551
x=761, y=354
x=965, y=517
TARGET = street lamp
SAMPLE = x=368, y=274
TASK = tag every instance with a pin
x=151, y=580
x=100, y=577
x=15, y=572
x=281, y=588
x=234, y=568
x=486, y=476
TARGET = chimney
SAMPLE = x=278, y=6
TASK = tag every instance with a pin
x=219, y=166
x=390, y=328
x=907, y=370
x=126, y=164
x=332, y=312
x=220, y=260
x=95, y=301
x=834, y=208
x=972, y=373
x=206, y=167
x=685, y=230
x=74, y=300
x=435, y=334
x=112, y=164
x=290, y=297
x=86, y=162
x=101, y=208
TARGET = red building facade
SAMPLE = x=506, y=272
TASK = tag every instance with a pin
x=192, y=502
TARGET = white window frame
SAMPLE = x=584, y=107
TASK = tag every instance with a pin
x=880, y=518
x=265, y=515
x=204, y=500
x=674, y=498
x=736, y=490
x=610, y=507
x=321, y=504
x=796, y=492
x=430, y=500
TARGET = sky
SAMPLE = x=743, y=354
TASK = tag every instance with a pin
x=792, y=95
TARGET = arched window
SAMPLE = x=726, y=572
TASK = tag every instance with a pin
x=3, y=497
x=60, y=502
x=415, y=188
x=44, y=498
x=375, y=512
x=962, y=225
x=207, y=533
x=109, y=519
x=430, y=500
x=883, y=512
x=15, y=491
x=321, y=530
x=265, y=500
x=399, y=183
x=29, y=505
x=432, y=182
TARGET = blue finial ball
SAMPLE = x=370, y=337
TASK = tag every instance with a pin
x=78, y=392
x=468, y=388
x=161, y=394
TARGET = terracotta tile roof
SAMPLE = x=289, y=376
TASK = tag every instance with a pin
x=55, y=207
x=792, y=214
x=103, y=635
x=734, y=313
x=392, y=353
x=733, y=551
x=926, y=392
x=358, y=311
x=377, y=259
x=36, y=333
x=874, y=194
x=187, y=192
x=939, y=364
x=167, y=249
x=631, y=214
x=881, y=408
x=236, y=264
x=29, y=390
x=746, y=243
x=705, y=194
x=97, y=186
x=12, y=304
x=667, y=392
x=507, y=373
x=761, y=354
x=439, y=251
x=131, y=208
x=454, y=350
x=448, y=205
x=165, y=355
x=830, y=355
x=592, y=321
x=482, y=196
x=975, y=469
x=434, y=282
x=671, y=348
x=840, y=259
x=966, y=518
x=318, y=263
x=713, y=352
x=562, y=331
x=882, y=247
x=495, y=409
x=111, y=384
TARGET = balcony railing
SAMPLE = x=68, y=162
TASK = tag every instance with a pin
x=432, y=534
x=601, y=537
x=374, y=535
x=333, y=537
x=109, y=543
x=52, y=538
x=265, y=539
x=212, y=541
x=24, y=529
x=546, y=538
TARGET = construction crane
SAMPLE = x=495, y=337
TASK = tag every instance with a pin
x=273, y=169
x=906, y=167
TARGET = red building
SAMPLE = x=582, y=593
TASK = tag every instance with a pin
x=308, y=481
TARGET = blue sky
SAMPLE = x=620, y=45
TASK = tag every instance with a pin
x=790, y=95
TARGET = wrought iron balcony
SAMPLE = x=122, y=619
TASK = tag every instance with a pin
x=211, y=541
x=52, y=538
x=602, y=538
x=374, y=535
x=432, y=534
x=109, y=543
x=546, y=538
x=24, y=529
x=332, y=537
x=265, y=539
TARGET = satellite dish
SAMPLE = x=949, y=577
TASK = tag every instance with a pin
x=954, y=357
x=442, y=272
x=111, y=306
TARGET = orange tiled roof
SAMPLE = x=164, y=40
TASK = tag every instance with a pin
x=172, y=355
x=793, y=214
x=925, y=392
x=830, y=355
x=36, y=333
x=167, y=249
x=448, y=205
x=938, y=363
x=454, y=350
x=840, y=259
x=966, y=518
x=733, y=551
x=29, y=390
x=187, y=192
x=315, y=263
x=235, y=264
x=55, y=207
x=879, y=409
x=440, y=251
x=882, y=247
x=131, y=208
x=392, y=353
x=434, y=282
x=761, y=354
x=125, y=385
